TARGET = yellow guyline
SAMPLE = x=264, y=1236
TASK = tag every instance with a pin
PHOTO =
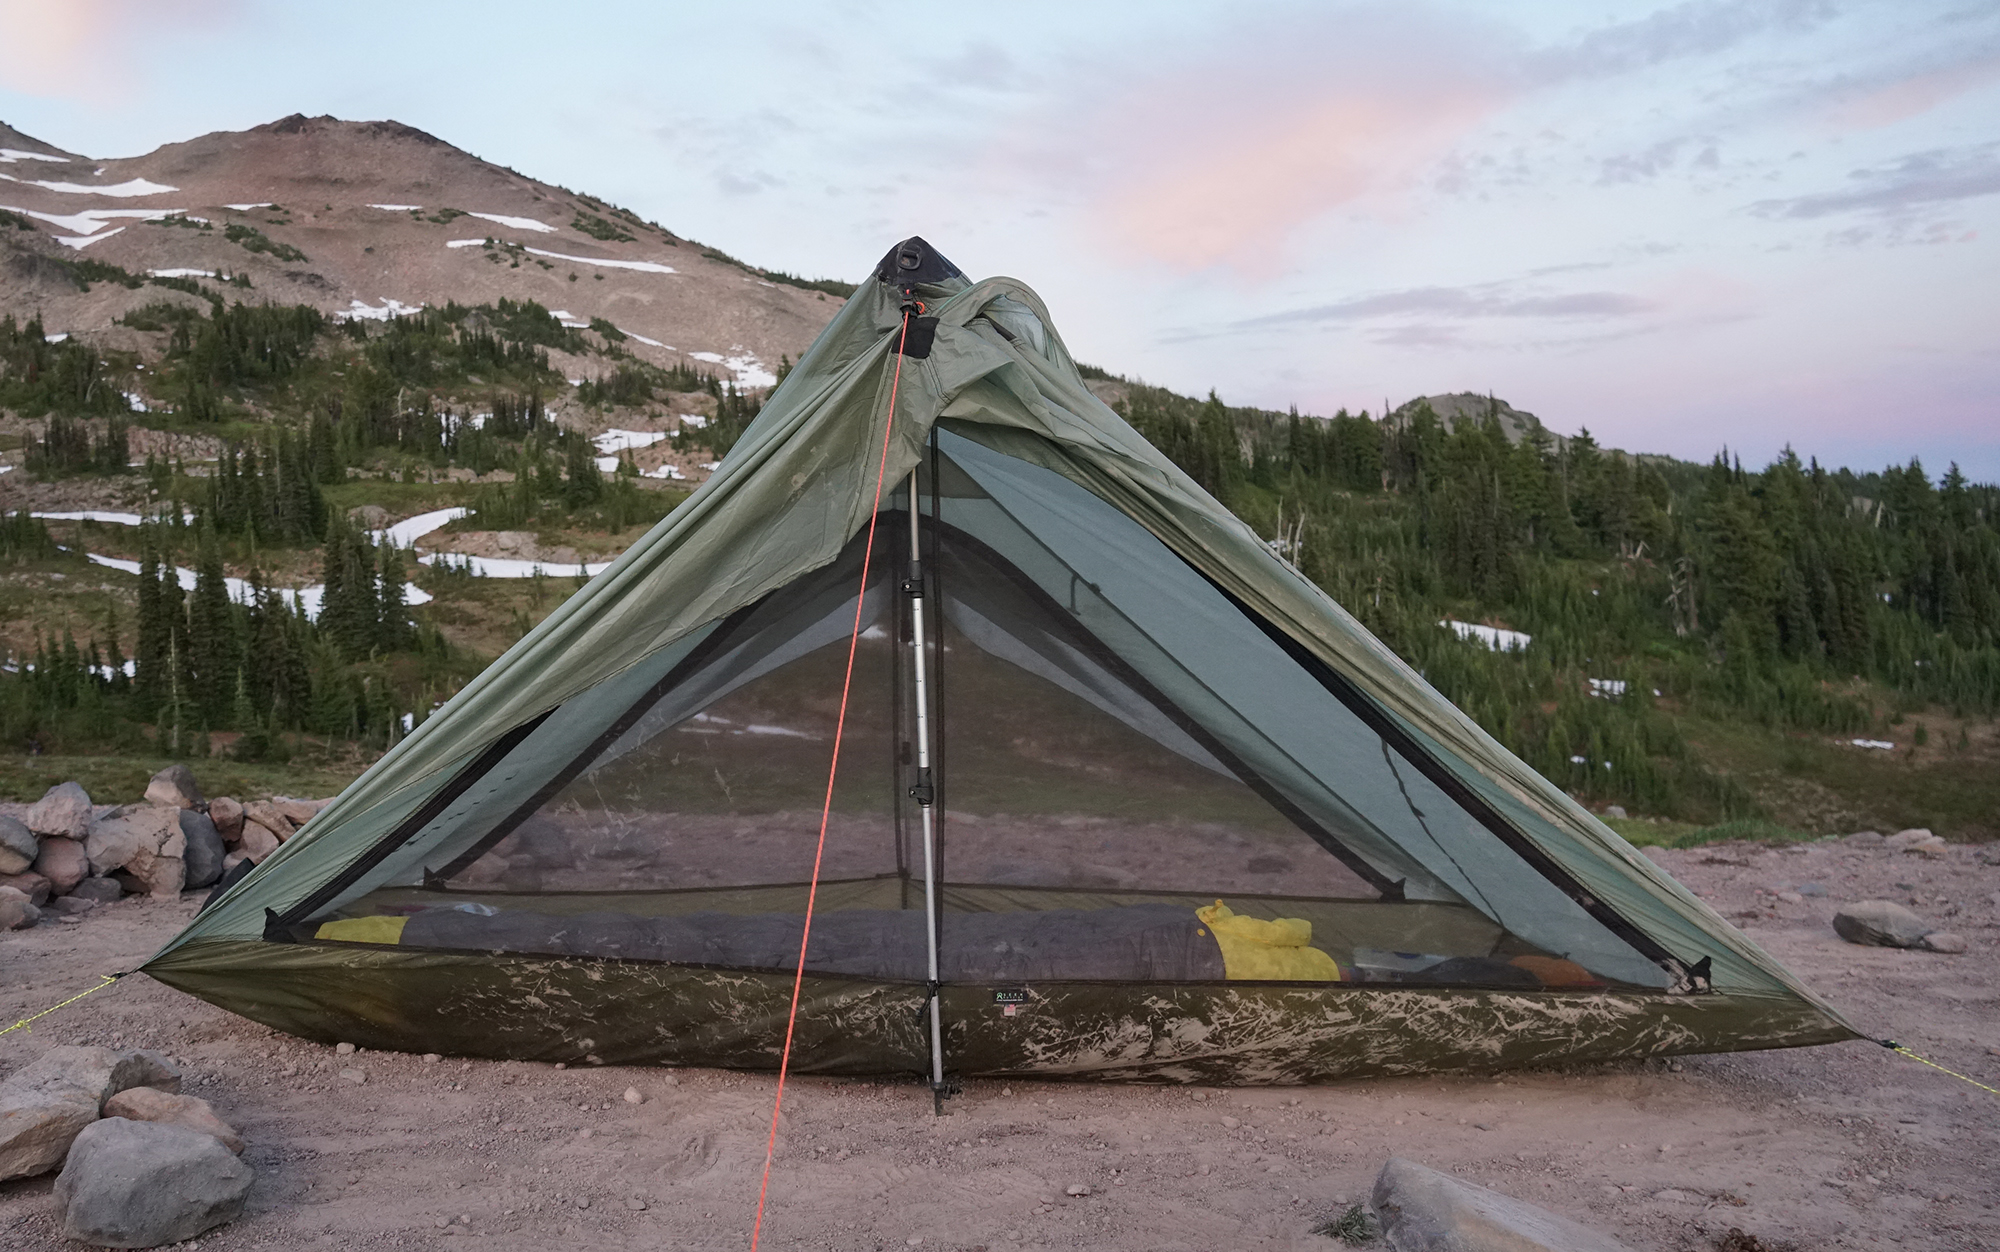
x=1893, y=1046
x=108, y=980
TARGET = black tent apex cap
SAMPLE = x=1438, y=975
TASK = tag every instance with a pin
x=915, y=261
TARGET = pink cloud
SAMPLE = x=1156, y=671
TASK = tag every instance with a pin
x=1219, y=155
x=1915, y=94
x=81, y=49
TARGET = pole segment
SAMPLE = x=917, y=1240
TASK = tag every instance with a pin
x=925, y=794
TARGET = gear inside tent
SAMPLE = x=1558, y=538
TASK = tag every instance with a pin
x=1119, y=792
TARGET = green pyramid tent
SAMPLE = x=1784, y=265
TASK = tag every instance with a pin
x=1120, y=793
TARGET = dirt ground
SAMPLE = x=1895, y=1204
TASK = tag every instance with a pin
x=1848, y=1146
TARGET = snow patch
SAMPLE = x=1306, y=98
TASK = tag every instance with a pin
x=1607, y=688
x=1880, y=745
x=398, y=208
x=90, y=221
x=10, y=155
x=622, y=440
x=606, y=464
x=245, y=208
x=408, y=531
x=1492, y=636
x=363, y=311
x=122, y=191
x=693, y=421
x=672, y=472
x=644, y=267
x=80, y=242
x=518, y=223
x=464, y=243
x=651, y=343
x=93, y=515
x=749, y=371
x=185, y=273
x=503, y=567
x=58, y=337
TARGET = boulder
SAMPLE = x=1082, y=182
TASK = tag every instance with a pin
x=32, y=885
x=63, y=810
x=1864, y=839
x=270, y=817
x=1422, y=1210
x=132, y=1184
x=148, y=1104
x=64, y=862
x=227, y=815
x=37, y=1127
x=102, y=890
x=175, y=786
x=1904, y=838
x=297, y=812
x=1945, y=941
x=18, y=847
x=1880, y=923
x=145, y=841
x=205, y=848
x=258, y=842
x=45, y=1103
x=16, y=913
x=70, y=906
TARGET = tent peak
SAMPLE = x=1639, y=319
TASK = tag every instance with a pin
x=915, y=261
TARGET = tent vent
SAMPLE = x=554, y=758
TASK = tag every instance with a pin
x=918, y=339
x=914, y=261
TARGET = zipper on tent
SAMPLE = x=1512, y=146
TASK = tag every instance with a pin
x=925, y=794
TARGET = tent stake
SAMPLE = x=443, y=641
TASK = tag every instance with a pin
x=925, y=794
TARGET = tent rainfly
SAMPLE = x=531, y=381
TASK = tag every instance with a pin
x=1120, y=794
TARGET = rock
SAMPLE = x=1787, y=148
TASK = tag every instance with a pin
x=343, y=1049
x=356, y=1076
x=146, y=1068
x=46, y=1103
x=1791, y=897
x=32, y=885
x=1422, y=1210
x=37, y=1127
x=1614, y=810
x=18, y=847
x=258, y=842
x=1812, y=889
x=62, y=812
x=632, y=1096
x=148, y=1104
x=1935, y=850
x=145, y=841
x=227, y=815
x=236, y=857
x=134, y=1184
x=63, y=862
x=1864, y=839
x=373, y=516
x=1076, y=1189
x=102, y=890
x=205, y=850
x=1945, y=941
x=270, y=817
x=1880, y=923
x=297, y=812
x=16, y=913
x=432, y=1058
x=1904, y=838
x=175, y=787
x=70, y=906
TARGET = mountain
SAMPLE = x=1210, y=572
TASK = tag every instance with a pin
x=359, y=219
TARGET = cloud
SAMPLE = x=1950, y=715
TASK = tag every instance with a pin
x=1866, y=105
x=1697, y=28
x=80, y=49
x=1920, y=180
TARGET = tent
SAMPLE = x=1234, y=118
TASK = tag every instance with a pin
x=1120, y=792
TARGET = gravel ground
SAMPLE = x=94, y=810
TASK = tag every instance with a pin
x=1848, y=1146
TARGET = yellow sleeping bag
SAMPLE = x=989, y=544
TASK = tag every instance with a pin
x=1278, y=950
x=363, y=930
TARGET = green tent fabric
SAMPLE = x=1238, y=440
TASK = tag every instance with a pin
x=1030, y=479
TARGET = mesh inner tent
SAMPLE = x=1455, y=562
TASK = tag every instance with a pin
x=1105, y=780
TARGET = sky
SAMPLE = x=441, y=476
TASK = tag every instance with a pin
x=1748, y=224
